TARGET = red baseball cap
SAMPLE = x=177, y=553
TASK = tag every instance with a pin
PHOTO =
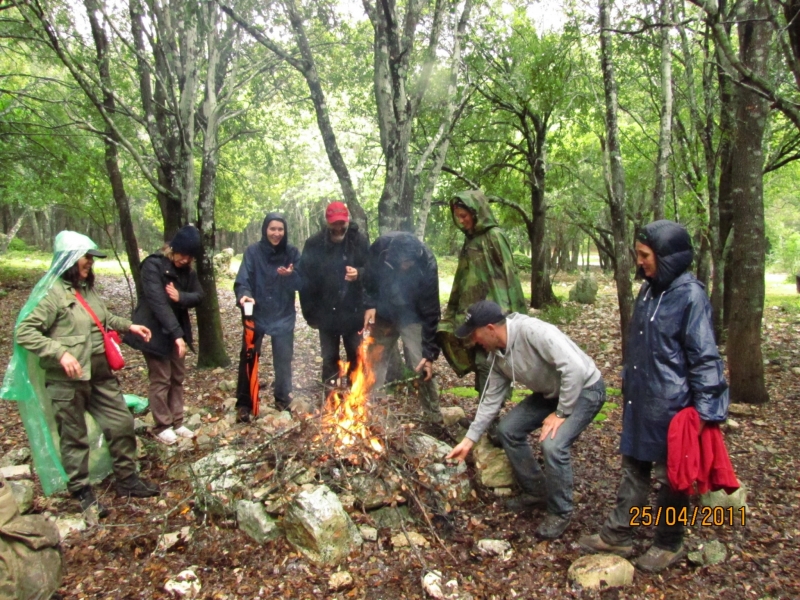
x=337, y=211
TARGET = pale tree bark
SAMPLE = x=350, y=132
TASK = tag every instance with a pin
x=12, y=233
x=665, y=129
x=440, y=143
x=306, y=66
x=745, y=359
x=111, y=141
x=398, y=97
x=615, y=182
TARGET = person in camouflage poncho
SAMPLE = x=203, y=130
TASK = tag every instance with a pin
x=485, y=272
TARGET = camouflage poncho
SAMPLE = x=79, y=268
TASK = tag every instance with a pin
x=485, y=272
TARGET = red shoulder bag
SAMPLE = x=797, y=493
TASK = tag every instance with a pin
x=111, y=339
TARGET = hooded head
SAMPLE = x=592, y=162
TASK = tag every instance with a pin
x=404, y=248
x=478, y=205
x=280, y=246
x=187, y=241
x=672, y=245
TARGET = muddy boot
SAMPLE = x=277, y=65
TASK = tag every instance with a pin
x=596, y=545
x=89, y=502
x=656, y=560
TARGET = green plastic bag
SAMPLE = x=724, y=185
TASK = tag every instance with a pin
x=136, y=404
x=24, y=382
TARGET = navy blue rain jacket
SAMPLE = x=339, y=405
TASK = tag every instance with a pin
x=672, y=360
x=404, y=297
x=274, y=311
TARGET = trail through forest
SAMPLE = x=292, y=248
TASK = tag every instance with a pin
x=117, y=558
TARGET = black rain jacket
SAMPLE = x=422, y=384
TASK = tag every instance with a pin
x=404, y=297
x=327, y=300
x=274, y=312
x=672, y=360
x=167, y=320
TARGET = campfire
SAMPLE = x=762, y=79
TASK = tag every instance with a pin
x=346, y=408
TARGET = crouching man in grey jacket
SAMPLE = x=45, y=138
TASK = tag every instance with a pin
x=567, y=392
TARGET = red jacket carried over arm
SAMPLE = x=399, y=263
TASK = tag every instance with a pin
x=698, y=458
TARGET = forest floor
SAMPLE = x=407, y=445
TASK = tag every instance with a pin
x=116, y=558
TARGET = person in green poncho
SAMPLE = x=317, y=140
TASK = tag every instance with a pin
x=59, y=365
x=485, y=272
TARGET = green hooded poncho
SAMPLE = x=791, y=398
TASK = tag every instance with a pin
x=25, y=382
x=485, y=272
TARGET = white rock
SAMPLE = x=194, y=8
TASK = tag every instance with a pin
x=452, y=414
x=404, y=539
x=23, y=494
x=67, y=525
x=598, y=571
x=432, y=584
x=370, y=534
x=495, y=548
x=185, y=585
x=15, y=471
x=339, y=581
x=218, y=371
x=255, y=521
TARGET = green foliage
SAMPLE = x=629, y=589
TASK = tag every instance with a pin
x=18, y=245
x=518, y=396
x=560, y=315
x=603, y=414
x=612, y=391
x=462, y=392
x=522, y=262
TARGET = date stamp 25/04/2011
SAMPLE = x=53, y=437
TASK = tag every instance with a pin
x=703, y=516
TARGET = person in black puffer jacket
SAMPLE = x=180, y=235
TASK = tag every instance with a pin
x=170, y=288
x=671, y=362
x=332, y=267
x=267, y=277
x=402, y=301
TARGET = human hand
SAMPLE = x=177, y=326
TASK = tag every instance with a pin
x=350, y=273
x=244, y=299
x=142, y=331
x=426, y=367
x=180, y=346
x=369, y=318
x=460, y=452
x=286, y=270
x=550, y=425
x=172, y=292
x=71, y=366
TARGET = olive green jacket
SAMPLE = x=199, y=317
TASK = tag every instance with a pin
x=60, y=324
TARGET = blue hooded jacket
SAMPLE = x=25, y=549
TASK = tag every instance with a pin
x=274, y=311
x=672, y=360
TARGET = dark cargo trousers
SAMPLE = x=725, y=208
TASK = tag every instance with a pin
x=102, y=399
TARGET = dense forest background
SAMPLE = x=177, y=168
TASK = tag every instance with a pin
x=582, y=121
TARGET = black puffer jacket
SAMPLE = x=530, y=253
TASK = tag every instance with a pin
x=671, y=358
x=404, y=297
x=167, y=320
x=327, y=300
x=274, y=311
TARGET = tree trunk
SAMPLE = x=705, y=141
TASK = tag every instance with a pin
x=111, y=141
x=665, y=130
x=616, y=179
x=14, y=229
x=541, y=289
x=745, y=360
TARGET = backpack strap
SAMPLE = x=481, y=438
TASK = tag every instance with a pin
x=90, y=311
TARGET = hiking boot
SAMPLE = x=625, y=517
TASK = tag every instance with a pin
x=656, y=560
x=136, y=487
x=596, y=545
x=89, y=502
x=243, y=414
x=525, y=502
x=553, y=526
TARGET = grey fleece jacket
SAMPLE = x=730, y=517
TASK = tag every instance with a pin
x=543, y=359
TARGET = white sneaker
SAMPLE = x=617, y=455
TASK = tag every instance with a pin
x=167, y=437
x=184, y=432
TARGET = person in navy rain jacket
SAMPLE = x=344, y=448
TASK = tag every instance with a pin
x=268, y=278
x=671, y=362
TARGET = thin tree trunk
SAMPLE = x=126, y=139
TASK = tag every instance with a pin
x=665, y=130
x=745, y=359
x=616, y=185
x=14, y=229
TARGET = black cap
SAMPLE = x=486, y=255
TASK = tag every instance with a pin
x=480, y=314
x=187, y=241
x=96, y=253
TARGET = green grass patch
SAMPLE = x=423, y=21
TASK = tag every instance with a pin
x=518, y=396
x=612, y=391
x=603, y=414
x=560, y=315
x=462, y=392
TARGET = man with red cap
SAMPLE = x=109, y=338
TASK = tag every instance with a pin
x=332, y=301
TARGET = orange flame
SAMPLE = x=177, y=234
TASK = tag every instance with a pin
x=346, y=411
